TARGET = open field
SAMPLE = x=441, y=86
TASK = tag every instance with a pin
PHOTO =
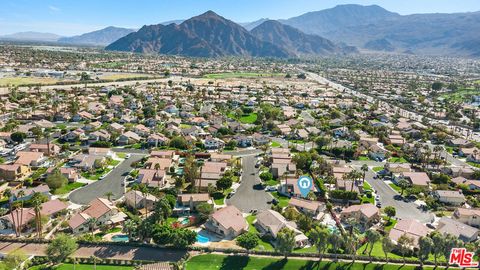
x=16, y=81
x=246, y=118
x=119, y=76
x=242, y=75
x=210, y=262
x=460, y=95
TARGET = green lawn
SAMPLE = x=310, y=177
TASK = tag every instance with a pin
x=390, y=223
x=241, y=75
x=363, y=158
x=67, y=266
x=122, y=155
x=245, y=119
x=366, y=186
x=297, y=141
x=282, y=200
x=377, y=169
x=378, y=252
x=68, y=187
x=473, y=164
x=222, y=262
x=395, y=187
x=275, y=144
x=272, y=182
x=460, y=95
x=114, y=162
x=221, y=200
x=262, y=245
x=397, y=160
x=95, y=176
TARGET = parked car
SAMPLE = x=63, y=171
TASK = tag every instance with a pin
x=271, y=188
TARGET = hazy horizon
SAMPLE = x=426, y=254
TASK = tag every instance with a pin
x=69, y=18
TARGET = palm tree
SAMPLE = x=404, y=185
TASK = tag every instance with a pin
x=95, y=259
x=319, y=237
x=21, y=193
x=128, y=227
x=109, y=195
x=364, y=170
x=37, y=207
x=372, y=237
x=92, y=223
x=335, y=241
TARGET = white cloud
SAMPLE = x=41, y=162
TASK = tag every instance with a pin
x=54, y=8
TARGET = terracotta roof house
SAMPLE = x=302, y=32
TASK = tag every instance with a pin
x=310, y=208
x=458, y=229
x=43, y=148
x=451, y=197
x=34, y=159
x=409, y=227
x=102, y=210
x=187, y=203
x=469, y=216
x=271, y=222
x=13, y=172
x=363, y=213
x=136, y=200
x=420, y=179
x=227, y=222
x=152, y=177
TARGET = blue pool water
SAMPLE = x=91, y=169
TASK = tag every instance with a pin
x=202, y=239
x=185, y=221
x=120, y=238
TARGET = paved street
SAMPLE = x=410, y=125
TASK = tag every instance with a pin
x=247, y=197
x=102, y=251
x=112, y=182
x=404, y=210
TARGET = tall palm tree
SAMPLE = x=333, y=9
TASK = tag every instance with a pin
x=364, y=169
x=92, y=223
x=37, y=207
x=8, y=193
x=21, y=193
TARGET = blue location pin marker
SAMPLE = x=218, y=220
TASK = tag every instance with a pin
x=304, y=183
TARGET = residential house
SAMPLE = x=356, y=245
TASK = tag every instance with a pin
x=227, y=222
x=28, y=192
x=469, y=216
x=102, y=210
x=34, y=159
x=187, y=203
x=14, y=172
x=137, y=200
x=451, y=197
x=271, y=222
x=367, y=214
x=310, y=208
x=409, y=227
x=157, y=140
x=419, y=179
x=129, y=137
x=47, y=149
x=152, y=177
x=458, y=229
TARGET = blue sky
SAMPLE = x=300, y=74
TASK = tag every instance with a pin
x=70, y=17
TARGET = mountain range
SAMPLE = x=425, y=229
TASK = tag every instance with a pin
x=370, y=28
x=374, y=28
x=210, y=35
x=101, y=37
x=31, y=36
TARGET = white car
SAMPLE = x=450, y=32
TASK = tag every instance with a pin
x=128, y=156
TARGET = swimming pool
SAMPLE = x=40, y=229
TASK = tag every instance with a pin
x=120, y=238
x=202, y=239
x=185, y=221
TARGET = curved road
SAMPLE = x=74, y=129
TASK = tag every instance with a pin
x=405, y=210
x=112, y=182
x=247, y=197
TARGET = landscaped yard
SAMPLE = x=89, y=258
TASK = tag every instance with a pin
x=395, y=187
x=275, y=144
x=363, y=158
x=377, y=169
x=96, y=175
x=68, y=187
x=246, y=118
x=212, y=261
x=390, y=223
x=122, y=155
x=262, y=245
x=473, y=164
x=397, y=160
x=220, y=200
x=460, y=95
x=241, y=75
x=282, y=200
x=113, y=162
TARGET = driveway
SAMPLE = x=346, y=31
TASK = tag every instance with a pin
x=112, y=182
x=405, y=210
x=247, y=197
